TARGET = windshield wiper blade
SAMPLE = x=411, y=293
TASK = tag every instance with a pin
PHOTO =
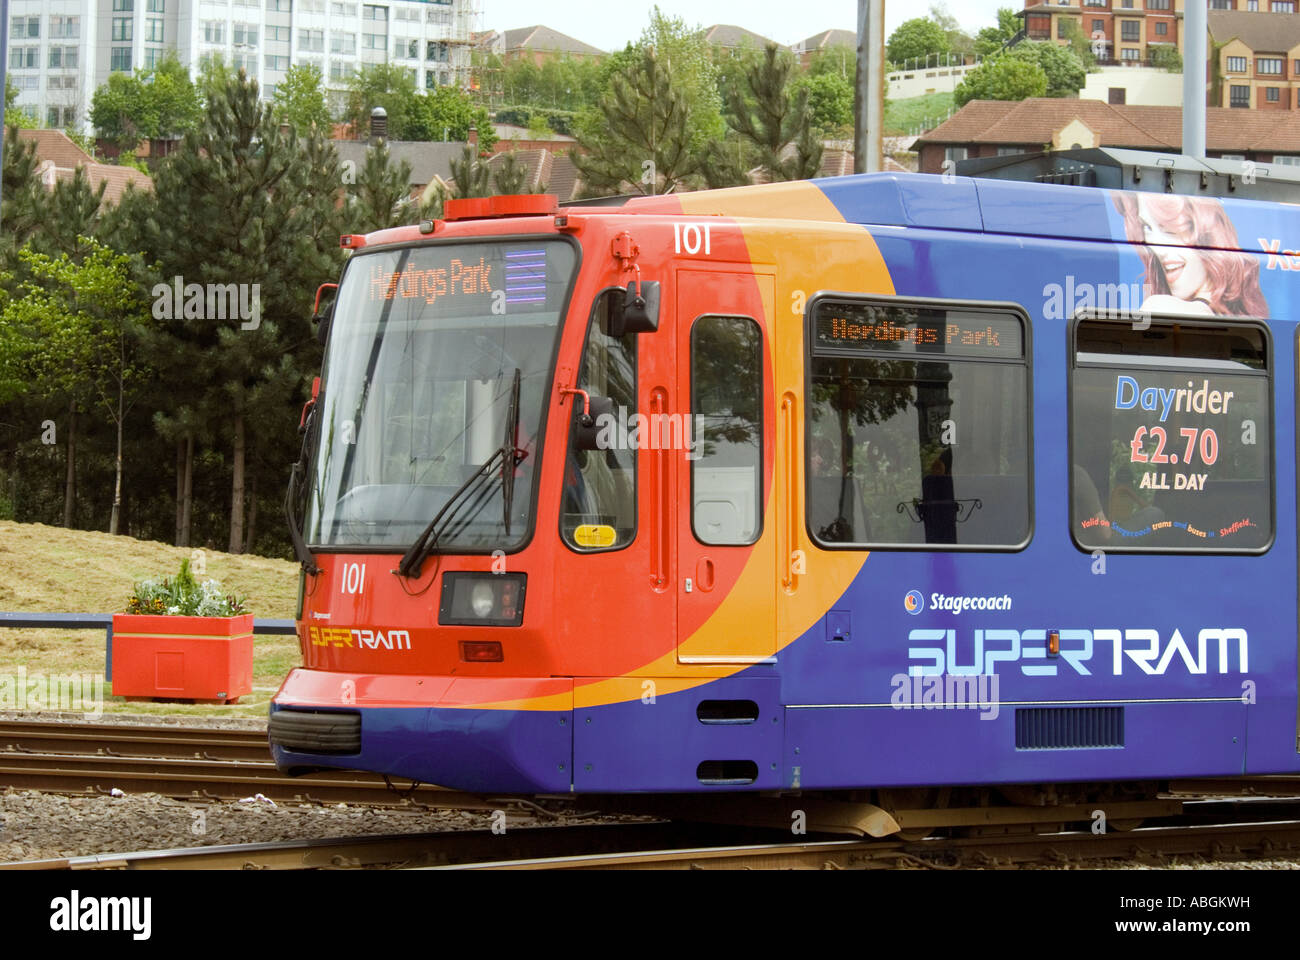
x=508, y=455
x=413, y=559
x=513, y=455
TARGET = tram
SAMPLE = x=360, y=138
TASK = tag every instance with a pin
x=881, y=481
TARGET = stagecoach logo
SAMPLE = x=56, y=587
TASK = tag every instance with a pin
x=915, y=602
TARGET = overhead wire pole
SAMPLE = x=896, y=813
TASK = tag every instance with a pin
x=869, y=88
x=4, y=77
x=1194, y=60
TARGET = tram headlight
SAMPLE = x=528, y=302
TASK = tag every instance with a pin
x=482, y=599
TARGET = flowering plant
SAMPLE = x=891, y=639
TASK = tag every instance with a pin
x=183, y=596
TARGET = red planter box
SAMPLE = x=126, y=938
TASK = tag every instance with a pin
x=207, y=659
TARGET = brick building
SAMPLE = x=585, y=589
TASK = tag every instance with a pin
x=989, y=128
x=1122, y=31
x=1258, y=63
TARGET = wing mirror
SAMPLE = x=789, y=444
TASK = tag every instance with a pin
x=322, y=318
x=640, y=313
x=586, y=426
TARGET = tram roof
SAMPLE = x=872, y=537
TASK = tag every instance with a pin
x=992, y=206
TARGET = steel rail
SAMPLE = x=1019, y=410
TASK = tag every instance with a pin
x=112, y=739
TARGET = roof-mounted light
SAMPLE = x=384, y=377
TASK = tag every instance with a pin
x=519, y=205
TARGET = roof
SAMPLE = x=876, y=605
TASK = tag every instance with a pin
x=1259, y=31
x=564, y=180
x=731, y=36
x=53, y=147
x=543, y=168
x=117, y=180
x=1035, y=121
x=829, y=38
x=546, y=40
x=427, y=158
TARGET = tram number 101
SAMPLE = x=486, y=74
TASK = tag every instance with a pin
x=353, y=579
x=691, y=238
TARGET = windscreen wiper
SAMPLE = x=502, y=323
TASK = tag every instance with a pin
x=513, y=454
x=475, y=489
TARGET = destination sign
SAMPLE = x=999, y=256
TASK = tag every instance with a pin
x=461, y=279
x=917, y=330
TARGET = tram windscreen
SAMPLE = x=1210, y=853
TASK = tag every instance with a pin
x=417, y=391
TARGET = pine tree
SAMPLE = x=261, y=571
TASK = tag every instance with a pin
x=766, y=114
x=473, y=177
x=22, y=206
x=510, y=176
x=72, y=211
x=380, y=198
x=645, y=140
x=238, y=205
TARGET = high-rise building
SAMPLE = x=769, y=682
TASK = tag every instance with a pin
x=60, y=51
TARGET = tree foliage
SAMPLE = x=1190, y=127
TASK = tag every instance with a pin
x=380, y=197
x=830, y=100
x=13, y=116
x=148, y=104
x=300, y=99
x=471, y=175
x=1002, y=78
x=644, y=138
x=990, y=40
x=916, y=38
x=772, y=116
x=510, y=175
x=1066, y=73
x=1167, y=57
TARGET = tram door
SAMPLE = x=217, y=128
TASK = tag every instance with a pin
x=726, y=569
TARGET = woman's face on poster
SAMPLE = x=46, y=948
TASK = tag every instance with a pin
x=1183, y=267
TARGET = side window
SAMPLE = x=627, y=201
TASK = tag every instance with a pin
x=918, y=426
x=598, y=509
x=1171, y=445
x=727, y=438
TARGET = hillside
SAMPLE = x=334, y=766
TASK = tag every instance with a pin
x=81, y=571
x=50, y=569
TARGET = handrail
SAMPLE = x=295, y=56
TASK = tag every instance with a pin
x=104, y=621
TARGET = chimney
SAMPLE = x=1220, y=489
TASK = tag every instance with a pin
x=378, y=124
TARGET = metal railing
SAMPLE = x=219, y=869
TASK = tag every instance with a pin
x=104, y=621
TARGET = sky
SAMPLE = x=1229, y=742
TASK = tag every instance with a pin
x=610, y=24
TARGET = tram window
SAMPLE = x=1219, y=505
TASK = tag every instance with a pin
x=598, y=510
x=727, y=403
x=918, y=426
x=1170, y=437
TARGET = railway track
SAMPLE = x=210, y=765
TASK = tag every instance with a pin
x=188, y=763
x=677, y=846
x=1250, y=816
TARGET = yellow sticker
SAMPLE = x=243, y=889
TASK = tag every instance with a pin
x=594, y=535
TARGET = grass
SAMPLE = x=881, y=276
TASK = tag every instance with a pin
x=53, y=570
x=901, y=116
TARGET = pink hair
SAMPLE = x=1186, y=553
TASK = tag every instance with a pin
x=1199, y=222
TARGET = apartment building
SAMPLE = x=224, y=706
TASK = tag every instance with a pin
x=60, y=51
x=1123, y=32
x=1257, y=63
